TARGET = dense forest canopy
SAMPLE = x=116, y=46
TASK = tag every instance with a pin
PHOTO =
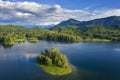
x=53, y=57
x=10, y=34
x=100, y=32
x=19, y=33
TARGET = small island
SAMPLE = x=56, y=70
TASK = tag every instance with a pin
x=53, y=62
x=32, y=39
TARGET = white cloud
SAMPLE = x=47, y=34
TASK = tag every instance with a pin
x=35, y=13
x=23, y=15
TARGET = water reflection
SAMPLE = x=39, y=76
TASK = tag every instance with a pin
x=7, y=45
x=28, y=56
x=117, y=49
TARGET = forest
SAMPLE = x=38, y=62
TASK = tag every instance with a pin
x=111, y=33
x=10, y=34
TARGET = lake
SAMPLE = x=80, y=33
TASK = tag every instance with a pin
x=90, y=60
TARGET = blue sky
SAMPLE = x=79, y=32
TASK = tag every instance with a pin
x=81, y=4
x=45, y=12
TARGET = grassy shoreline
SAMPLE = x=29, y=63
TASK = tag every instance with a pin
x=32, y=40
x=54, y=70
x=96, y=40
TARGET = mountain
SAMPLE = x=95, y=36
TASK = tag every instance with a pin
x=108, y=21
x=69, y=22
x=45, y=26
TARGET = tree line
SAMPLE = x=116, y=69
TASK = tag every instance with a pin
x=10, y=34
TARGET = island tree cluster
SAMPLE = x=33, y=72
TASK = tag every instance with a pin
x=52, y=57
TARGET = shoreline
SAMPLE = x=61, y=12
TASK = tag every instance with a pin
x=57, y=70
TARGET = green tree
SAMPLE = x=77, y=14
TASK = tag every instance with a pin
x=48, y=61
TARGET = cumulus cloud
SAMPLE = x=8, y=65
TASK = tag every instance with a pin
x=35, y=13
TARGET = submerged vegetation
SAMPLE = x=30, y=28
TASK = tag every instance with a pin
x=53, y=62
x=10, y=34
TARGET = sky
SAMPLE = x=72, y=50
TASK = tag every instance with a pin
x=47, y=12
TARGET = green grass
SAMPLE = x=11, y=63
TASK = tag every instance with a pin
x=54, y=70
x=97, y=40
x=20, y=40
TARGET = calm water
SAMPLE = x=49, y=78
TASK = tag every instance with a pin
x=91, y=61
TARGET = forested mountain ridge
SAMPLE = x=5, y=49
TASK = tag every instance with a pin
x=108, y=21
x=69, y=22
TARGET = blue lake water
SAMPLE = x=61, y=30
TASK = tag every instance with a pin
x=90, y=60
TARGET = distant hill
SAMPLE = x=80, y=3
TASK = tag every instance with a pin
x=108, y=21
x=69, y=22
